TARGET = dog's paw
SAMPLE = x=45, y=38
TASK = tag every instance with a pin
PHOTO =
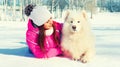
x=84, y=59
x=76, y=58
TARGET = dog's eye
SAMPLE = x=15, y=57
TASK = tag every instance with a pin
x=71, y=21
x=78, y=21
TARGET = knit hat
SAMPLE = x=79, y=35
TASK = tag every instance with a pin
x=40, y=15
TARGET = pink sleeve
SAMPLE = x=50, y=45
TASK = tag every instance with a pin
x=31, y=36
x=59, y=28
x=54, y=52
x=58, y=25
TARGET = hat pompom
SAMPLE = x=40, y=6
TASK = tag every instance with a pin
x=28, y=9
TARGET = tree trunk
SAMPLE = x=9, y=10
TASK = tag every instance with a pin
x=5, y=4
x=14, y=10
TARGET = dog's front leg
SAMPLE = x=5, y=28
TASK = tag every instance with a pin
x=75, y=55
x=87, y=56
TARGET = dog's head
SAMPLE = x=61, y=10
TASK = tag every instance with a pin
x=75, y=20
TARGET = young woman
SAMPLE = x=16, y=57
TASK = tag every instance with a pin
x=43, y=34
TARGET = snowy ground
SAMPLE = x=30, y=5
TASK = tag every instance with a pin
x=105, y=26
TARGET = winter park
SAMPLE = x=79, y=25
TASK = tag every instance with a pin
x=103, y=16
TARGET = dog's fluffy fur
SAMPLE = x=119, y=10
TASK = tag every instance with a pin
x=77, y=38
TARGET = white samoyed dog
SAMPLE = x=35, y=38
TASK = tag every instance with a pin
x=77, y=39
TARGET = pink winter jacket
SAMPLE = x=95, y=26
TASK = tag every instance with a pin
x=31, y=39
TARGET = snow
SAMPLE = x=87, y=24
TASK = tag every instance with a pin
x=105, y=26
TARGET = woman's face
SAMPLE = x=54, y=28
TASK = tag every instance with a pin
x=48, y=24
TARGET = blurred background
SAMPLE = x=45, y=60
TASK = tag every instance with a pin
x=103, y=15
x=13, y=10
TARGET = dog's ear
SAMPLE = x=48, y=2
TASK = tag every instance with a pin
x=66, y=15
x=84, y=14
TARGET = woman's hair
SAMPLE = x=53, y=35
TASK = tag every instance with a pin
x=28, y=9
x=41, y=37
